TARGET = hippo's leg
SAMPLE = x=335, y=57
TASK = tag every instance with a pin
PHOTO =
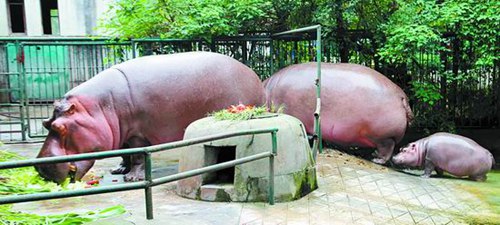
x=136, y=172
x=481, y=177
x=428, y=168
x=124, y=166
x=439, y=171
x=384, y=151
x=136, y=168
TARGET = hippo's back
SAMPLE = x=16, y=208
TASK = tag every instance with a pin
x=359, y=105
x=165, y=93
x=459, y=155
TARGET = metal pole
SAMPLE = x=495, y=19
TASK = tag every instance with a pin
x=271, y=56
x=23, y=91
x=73, y=193
x=130, y=151
x=271, y=167
x=211, y=168
x=318, y=88
x=147, y=189
x=315, y=27
x=134, y=53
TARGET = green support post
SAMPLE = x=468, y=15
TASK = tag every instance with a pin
x=318, y=88
x=271, y=167
x=133, y=44
x=147, y=189
x=22, y=94
x=271, y=55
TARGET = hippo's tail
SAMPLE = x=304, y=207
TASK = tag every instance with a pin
x=409, y=113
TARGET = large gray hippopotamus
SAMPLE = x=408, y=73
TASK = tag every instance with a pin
x=141, y=102
x=455, y=154
x=359, y=106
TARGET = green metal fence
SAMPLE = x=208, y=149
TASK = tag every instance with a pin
x=149, y=182
x=12, y=114
x=42, y=69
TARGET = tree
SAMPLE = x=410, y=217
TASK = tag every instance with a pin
x=184, y=18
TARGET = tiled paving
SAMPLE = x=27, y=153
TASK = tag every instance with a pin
x=351, y=191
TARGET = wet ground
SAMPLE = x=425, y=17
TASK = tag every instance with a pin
x=351, y=191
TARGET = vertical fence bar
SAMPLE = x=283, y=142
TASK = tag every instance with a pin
x=271, y=167
x=271, y=58
x=147, y=189
x=318, y=88
x=134, y=53
x=22, y=86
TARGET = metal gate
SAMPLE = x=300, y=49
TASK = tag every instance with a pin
x=12, y=113
x=53, y=68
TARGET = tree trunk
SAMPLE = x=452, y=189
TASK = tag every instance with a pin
x=341, y=32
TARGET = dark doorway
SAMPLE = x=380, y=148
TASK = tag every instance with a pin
x=16, y=14
x=50, y=17
x=215, y=155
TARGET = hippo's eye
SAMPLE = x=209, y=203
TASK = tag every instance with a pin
x=70, y=110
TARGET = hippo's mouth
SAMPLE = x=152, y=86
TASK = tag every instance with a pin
x=72, y=172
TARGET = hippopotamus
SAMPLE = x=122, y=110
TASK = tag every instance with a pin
x=141, y=102
x=455, y=154
x=359, y=106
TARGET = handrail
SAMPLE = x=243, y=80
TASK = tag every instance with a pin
x=317, y=137
x=148, y=182
x=129, y=151
x=299, y=30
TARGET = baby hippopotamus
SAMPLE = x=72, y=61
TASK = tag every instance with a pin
x=455, y=154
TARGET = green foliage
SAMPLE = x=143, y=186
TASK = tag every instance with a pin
x=26, y=180
x=426, y=92
x=183, y=18
x=430, y=116
x=421, y=25
x=8, y=216
x=244, y=114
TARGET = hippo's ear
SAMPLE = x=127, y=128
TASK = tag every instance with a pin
x=70, y=109
x=47, y=123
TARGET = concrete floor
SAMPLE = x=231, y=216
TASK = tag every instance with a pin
x=351, y=191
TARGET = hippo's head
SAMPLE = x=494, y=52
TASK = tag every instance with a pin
x=73, y=129
x=409, y=156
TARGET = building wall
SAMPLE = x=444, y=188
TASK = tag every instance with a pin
x=79, y=18
x=33, y=15
x=4, y=21
x=76, y=18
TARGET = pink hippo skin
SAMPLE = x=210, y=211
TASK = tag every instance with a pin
x=141, y=102
x=455, y=154
x=359, y=106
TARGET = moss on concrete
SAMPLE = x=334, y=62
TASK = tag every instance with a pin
x=222, y=196
x=306, y=181
x=489, y=193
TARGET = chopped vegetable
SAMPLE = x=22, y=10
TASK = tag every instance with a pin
x=7, y=216
x=240, y=112
x=26, y=180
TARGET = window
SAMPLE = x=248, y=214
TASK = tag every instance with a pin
x=16, y=16
x=50, y=18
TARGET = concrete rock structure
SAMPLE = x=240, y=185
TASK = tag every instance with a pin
x=295, y=173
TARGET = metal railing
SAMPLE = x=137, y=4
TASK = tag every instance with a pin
x=149, y=182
